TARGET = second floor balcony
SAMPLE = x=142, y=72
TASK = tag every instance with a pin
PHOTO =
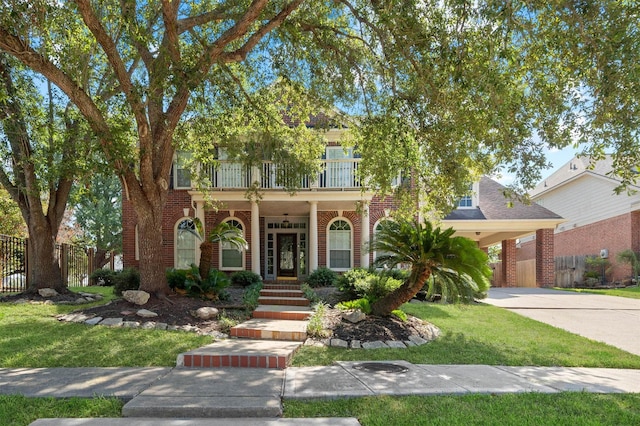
x=339, y=174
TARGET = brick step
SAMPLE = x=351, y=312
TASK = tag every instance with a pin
x=243, y=353
x=289, y=301
x=271, y=329
x=281, y=293
x=283, y=312
x=281, y=286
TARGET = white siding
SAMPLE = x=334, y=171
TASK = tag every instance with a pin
x=586, y=200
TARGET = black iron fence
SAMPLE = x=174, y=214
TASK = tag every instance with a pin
x=76, y=263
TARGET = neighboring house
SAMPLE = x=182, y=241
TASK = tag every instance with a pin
x=328, y=222
x=598, y=221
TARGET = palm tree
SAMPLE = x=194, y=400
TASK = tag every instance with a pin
x=223, y=232
x=456, y=264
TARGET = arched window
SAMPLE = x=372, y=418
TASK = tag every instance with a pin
x=339, y=247
x=231, y=259
x=376, y=230
x=185, y=244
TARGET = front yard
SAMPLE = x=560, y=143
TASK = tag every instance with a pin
x=477, y=334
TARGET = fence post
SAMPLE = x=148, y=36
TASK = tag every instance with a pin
x=91, y=263
x=64, y=267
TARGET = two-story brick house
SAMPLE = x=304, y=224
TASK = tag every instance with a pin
x=327, y=222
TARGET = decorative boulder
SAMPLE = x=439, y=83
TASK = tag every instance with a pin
x=206, y=313
x=145, y=313
x=354, y=316
x=47, y=292
x=137, y=297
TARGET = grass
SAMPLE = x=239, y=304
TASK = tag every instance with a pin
x=478, y=334
x=507, y=409
x=32, y=337
x=484, y=334
x=19, y=410
x=630, y=292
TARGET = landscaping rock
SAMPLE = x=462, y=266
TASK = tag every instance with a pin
x=205, y=313
x=47, y=292
x=137, y=297
x=112, y=322
x=161, y=326
x=356, y=344
x=374, y=345
x=93, y=321
x=418, y=340
x=339, y=343
x=354, y=317
x=149, y=325
x=145, y=313
x=131, y=324
x=395, y=344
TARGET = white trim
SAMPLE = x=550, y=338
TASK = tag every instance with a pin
x=175, y=242
x=351, y=249
x=242, y=252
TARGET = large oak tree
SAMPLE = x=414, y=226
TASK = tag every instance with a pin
x=444, y=89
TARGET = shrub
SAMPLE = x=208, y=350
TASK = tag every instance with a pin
x=245, y=278
x=189, y=280
x=322, y=277
x=379, y=286
x=368, y=284
x=251, y=295
x=176, y=278
x=309, y=294
x=127, y=279
x=103, y=277
x=352, y=279
x=315, y=327
x=362, y=304
x=399, y=314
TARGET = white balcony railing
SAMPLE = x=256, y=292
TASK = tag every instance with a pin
x=335, y=174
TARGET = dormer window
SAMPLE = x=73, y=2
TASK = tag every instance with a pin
x=471, y=199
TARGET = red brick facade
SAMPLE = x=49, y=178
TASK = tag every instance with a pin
x=545, y=264
x=508, y=263
x=616, y=234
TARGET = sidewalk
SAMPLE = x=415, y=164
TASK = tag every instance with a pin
x=258, y=393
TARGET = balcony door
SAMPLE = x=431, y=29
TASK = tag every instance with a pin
x=340, y=171
x=287, y=255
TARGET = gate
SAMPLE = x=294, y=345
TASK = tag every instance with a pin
x=76, y=263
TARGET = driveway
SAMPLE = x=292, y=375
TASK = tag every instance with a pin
x=609, y=319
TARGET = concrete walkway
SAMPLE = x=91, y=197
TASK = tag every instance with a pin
x=255, y=395
x=609, y=319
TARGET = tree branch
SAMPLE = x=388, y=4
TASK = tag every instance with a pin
x=93, y=23
x=241, y=53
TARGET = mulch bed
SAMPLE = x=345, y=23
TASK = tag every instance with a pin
x=177, y=310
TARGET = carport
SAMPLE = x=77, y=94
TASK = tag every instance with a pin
x=495, y=219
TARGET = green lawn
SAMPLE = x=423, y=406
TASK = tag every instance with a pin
x=32, y=337
x=21, y=411
x=478, y=334
x=509, y=409
x=484, y=334
x=630, y=292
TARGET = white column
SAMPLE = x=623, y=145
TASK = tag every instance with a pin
x=255, y=238
x=364, y=237
x=313, y=236
x=199, y=213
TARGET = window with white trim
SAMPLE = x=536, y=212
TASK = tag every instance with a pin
x=232, y=259
x=182, y=173
x=339, y=247
x=185, y=244
x=467, y=200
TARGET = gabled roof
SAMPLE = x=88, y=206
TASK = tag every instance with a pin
x=492, y=205
x=497, y=218
x=577, y=167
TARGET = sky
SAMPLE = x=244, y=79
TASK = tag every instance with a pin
x=557, y=158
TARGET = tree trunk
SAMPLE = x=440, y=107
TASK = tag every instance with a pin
x=206, y=253
x=404, y=293
x=43, y=264
x=152, y=269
